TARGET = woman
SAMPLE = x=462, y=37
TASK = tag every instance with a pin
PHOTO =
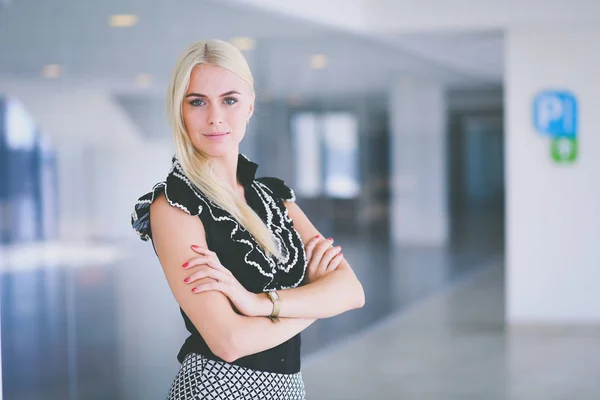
x=247, y=267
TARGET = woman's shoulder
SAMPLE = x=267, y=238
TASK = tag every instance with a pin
x=274, y=187
x=277, y=188
x=178, y=191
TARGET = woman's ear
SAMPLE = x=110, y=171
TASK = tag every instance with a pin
x=250, y=111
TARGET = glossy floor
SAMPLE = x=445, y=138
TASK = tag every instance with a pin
x=454, y=346
x=97, y=321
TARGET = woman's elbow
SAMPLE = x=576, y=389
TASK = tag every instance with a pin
x=228, y=355
x=355, y=294
x=355, y=297
x=225, y=347
x=359, y=297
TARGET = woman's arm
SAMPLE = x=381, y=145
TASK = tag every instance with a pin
x=333, y=294
x=228, y=335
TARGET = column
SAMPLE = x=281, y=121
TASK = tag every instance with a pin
x=553, y=164
x=418, y=162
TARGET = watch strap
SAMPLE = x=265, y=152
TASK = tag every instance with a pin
x=276, y=300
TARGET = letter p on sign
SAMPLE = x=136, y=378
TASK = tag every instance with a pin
x=555, y=114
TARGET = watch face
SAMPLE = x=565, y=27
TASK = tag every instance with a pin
x=274, y=296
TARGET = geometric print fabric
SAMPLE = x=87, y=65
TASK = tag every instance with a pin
x=202, y=379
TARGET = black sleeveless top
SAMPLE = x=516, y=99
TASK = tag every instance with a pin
x=238, y=251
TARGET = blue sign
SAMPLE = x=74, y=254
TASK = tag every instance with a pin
x=555, y=113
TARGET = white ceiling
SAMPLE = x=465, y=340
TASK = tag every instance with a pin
x=75, y=34
x=479, y=54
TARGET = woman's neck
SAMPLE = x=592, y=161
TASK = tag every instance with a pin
x=225, y=168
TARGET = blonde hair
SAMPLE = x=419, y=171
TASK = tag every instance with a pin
x=195, y=163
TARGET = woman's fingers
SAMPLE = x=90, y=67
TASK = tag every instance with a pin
x=321, y=248
x=315, y=254
x=335, y=262
x=327, y=257
x=216, y=264
x=310, y=245
x=314, y=269
x=309, y=250
x=207, y=287
x=208, y=257
x=203, y=250
x=194, y=262
x=206, y=272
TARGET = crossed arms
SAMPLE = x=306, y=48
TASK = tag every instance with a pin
x=329, y=291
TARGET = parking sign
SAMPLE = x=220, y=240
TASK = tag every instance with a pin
x=564, y=150
x=555, y=113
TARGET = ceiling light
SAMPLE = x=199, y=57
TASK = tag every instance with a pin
x=244, y=43
x=318, y=61
x=122, y=20
x=51, y=71
x=143, y=80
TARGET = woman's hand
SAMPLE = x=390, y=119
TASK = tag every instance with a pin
x=214, y=276
x=322, y=257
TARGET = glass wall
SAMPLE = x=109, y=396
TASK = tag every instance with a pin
x=326, y=154
x=27, y=177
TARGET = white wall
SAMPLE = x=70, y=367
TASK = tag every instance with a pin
x=553, y=212
x=418, y=162
x=120, y=175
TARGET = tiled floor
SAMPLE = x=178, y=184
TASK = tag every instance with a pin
x=454, y=346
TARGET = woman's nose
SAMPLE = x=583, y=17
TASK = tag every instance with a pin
x=214, y=116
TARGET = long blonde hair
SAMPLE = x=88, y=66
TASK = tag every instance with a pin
x=195, y=163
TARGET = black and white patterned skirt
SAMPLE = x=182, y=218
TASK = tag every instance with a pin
x=202, y=379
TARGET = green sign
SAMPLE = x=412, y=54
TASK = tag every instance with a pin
x=564, y=149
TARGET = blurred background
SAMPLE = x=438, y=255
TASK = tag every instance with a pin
x=450, y=147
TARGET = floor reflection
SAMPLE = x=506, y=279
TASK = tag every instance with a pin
x=112, y=330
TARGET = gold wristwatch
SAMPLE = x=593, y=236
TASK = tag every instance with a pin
x=276, y=300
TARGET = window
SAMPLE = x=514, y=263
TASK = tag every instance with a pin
x=326, y=154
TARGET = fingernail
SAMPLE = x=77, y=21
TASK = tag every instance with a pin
x=194, y=290
x=340, y=254
x=186, y=264
x=330, y=239
x=195, y=247
x=318, y=236
x=186, y=280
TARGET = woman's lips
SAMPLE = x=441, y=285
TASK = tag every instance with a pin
x=215, y=135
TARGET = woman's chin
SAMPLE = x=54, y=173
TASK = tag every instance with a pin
x=217, y=149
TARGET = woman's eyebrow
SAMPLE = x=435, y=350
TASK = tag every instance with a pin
x=203, y=95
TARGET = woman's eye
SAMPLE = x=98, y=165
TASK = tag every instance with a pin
x=197, y=102
x=230, y=101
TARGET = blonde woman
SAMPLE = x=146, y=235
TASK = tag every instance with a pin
x=247, y=267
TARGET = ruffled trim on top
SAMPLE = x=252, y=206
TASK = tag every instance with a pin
x=179, y=193
x=278, y=188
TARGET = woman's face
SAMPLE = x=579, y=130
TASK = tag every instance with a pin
x=216, y=108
